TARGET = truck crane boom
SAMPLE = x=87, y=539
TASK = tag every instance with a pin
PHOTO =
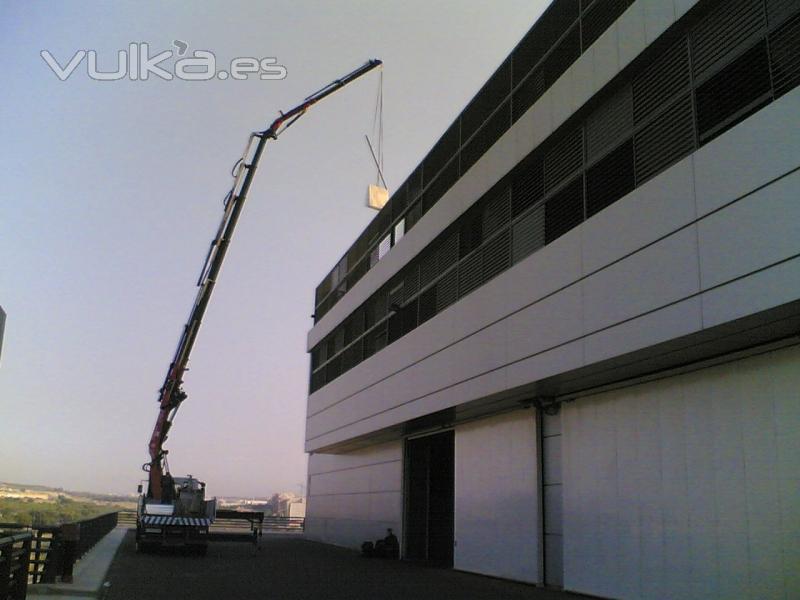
x=171, y=394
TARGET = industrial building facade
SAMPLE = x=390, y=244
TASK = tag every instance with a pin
x=566, y=351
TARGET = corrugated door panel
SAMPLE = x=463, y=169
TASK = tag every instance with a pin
x=443, y=151
x=490, y=96
x=447, y=290
x=778, y=10
x=664, y=141
x=784, y=46
x=610, y=123
x=527, y=186
x=496, y=211
x=733, y=93
x=564, y=210
x=658, y=84
x=470, y=273
x=491, y=131
x=610, y=179
x=732, y=25
x=496, y=255
x=599, y=17
x=563, y=159
x=528, y=234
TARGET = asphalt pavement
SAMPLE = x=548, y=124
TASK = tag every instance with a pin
x=288, y=567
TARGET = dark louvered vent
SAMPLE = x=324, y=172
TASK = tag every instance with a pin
x=666, y=77
x=496, y=255
x=394, y=327
x=563, y=159
x=610, y=122
x=338, y=337
x=410, y=282
x=599, y=17
x=527, y=185
x=427, y=304
x=733, y=93
x=333, y=369
x=414, y=214
x=732, y=25
x=445, y=149
x=375, y=309
x=486, y=100
x=495, y=127
x=784, y=47
x=528, y=234
x=564, y=210
x=315, y=362
x=399, y=201
x=322, y=290
x=409, y=317
x=528, y=93
x=317, y=380
x=496, y=210
x=562, y=56
x=440, y=185
x=552, y=24
x=470, y=273
x=414, y=185
x=358, y=272
x=428, y=270
x=379, y=335
x=470, y=233
x=447, y=253
x=779, y=10
x=447, y=290
x=610, y=178
x=665, y=140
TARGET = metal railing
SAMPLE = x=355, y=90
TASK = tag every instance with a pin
x=53, y=549
x=15, y=551
x=269, y=524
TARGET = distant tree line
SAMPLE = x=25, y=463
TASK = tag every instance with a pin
x=30, y=512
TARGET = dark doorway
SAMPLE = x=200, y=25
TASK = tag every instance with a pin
x=430, y=489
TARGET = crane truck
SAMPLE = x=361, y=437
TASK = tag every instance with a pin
x=174, y=510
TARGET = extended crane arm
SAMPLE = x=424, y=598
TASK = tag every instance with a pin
x=171, y=393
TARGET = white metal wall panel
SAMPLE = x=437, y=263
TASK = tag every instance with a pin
x=497, y=497
x=355, y=497
x=687, y=487
x=716, y=258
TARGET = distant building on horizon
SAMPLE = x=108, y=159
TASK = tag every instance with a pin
x=566, y=351
x=2, y=329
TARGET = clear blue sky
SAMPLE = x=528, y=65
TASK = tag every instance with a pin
x=111, y=191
